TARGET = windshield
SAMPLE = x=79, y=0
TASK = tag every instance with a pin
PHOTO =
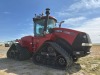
x=39, y=26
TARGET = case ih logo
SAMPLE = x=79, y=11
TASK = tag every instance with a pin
x=66, y=32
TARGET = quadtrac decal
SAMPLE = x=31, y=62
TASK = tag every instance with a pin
x=66, y=32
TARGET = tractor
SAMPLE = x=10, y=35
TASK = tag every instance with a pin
x=51, y=45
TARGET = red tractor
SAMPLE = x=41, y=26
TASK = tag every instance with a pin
x=52, y=46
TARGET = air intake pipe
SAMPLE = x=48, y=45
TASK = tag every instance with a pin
x=46, y=20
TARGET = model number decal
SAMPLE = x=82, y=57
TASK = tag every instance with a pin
x=66, y=32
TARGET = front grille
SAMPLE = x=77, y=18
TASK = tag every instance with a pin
x=81, y=38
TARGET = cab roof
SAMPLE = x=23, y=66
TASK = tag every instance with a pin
x=43, y=17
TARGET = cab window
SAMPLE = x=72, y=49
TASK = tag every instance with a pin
x=39, y=26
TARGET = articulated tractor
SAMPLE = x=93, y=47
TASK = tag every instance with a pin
x=51, y=45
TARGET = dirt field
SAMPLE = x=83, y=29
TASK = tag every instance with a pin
x=89, y=65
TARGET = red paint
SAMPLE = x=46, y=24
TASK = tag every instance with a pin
x=66, y=34
x=33, y=43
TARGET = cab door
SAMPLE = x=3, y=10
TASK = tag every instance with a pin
x=39, y=36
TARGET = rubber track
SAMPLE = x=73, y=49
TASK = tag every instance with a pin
x=60, y=50
x=24, y=52
x=12, y=46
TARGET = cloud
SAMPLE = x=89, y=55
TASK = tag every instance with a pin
x=5, y=12
x=91, y=27
x=80, y=8
x=75, y=21
x=85, y=4
x=63, y=13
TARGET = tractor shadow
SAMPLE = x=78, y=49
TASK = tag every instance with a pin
x=73, y=69
x=29, y=68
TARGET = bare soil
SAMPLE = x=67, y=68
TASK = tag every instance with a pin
x=89, y=65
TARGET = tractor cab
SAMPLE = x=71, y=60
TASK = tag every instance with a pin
x=43, y=24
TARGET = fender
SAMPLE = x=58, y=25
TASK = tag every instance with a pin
x=65, y=45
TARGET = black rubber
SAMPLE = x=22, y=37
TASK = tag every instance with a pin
x=9, y=52
x=18, y=53
x=59, y=52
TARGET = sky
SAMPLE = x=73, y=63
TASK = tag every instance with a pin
x=16, y=16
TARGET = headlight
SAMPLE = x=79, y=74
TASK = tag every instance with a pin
x=86, y=44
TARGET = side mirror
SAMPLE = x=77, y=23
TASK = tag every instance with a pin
x=61, y=23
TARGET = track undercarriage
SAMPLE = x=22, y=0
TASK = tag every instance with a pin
x=50, y=54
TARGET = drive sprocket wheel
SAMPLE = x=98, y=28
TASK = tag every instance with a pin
x=61, y=62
